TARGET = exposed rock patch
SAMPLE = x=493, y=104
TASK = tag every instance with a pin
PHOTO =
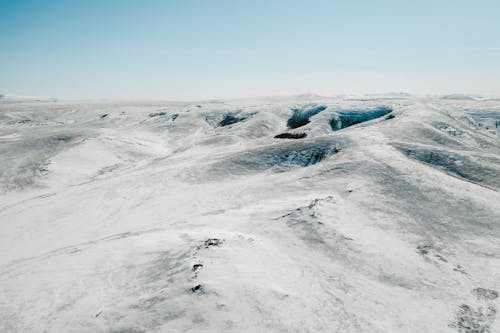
x=474, y=320
x=291, y=135
x=485, y=294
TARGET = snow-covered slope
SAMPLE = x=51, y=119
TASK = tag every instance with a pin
x=365, y=214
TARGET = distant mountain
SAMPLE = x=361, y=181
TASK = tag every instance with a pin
x=7, y=98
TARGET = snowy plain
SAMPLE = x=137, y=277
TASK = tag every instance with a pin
x=367, y=214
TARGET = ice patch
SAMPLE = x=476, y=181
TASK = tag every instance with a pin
x=348, y=118
x=301, y=115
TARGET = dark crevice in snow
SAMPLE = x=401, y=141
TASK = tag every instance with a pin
x=348, y=118
x=227, y=119
x=233, y=118
x=300, y=116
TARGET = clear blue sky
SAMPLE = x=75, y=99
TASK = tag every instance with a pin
x=188, y=49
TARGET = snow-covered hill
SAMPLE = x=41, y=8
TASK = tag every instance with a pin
x=299, y=214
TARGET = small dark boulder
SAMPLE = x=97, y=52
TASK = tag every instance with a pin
x=196, y=267
x=197, y=288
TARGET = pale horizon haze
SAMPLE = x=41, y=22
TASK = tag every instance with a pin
x=231, y=49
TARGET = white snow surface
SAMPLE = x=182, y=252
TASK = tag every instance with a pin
x=192, y=217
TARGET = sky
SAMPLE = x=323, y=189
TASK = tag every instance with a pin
x=201, y=49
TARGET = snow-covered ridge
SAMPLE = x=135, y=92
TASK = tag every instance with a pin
x=303, y=213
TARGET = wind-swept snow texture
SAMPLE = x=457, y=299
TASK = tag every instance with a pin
x=300, y=214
